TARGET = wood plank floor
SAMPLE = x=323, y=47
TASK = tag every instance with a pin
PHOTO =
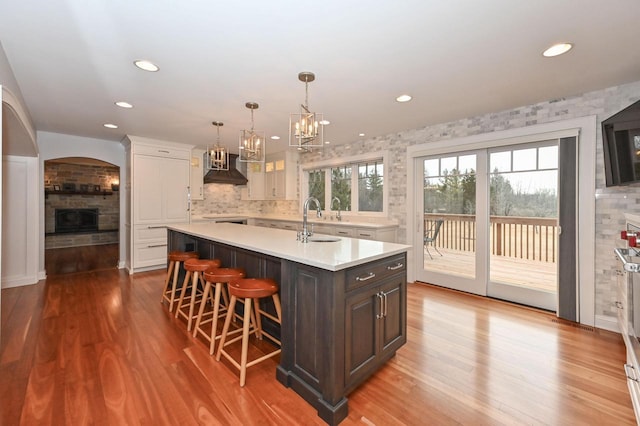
x=98, y=348
x=509, y=270
x=81, y=259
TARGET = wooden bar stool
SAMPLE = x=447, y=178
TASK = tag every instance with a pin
x=218, y=277
x=194, y=268
x=175, y=258
x=250, y=289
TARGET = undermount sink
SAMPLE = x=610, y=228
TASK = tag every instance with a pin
x=323, y=239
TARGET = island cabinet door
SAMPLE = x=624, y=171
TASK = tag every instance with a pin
x=375, y=327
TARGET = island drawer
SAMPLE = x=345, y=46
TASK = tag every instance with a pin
x=359, y=276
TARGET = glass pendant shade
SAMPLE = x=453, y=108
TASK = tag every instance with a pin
x=305, y=130
x=217, y=155
x=252, y=142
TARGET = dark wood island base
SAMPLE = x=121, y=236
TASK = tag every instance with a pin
x=338, y=326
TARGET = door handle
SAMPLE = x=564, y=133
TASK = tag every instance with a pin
x=380, y=315
x=367, y=277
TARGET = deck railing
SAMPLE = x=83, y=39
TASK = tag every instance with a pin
x=531, y=238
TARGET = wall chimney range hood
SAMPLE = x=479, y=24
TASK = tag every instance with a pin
x=231, y=176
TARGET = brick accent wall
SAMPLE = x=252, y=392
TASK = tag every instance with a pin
x=108, y=205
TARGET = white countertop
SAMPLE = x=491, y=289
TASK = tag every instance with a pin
x=228, y=217
x=632, y=218
x=280, y=243
x=312, y=218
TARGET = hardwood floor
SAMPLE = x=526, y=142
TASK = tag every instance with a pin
x=99, y=348
x=81, y=259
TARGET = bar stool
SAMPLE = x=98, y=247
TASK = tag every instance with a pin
x=175, y=258
x=219, y=277
x=194, y=268
x=250, y=289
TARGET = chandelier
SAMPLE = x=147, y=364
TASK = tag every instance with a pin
x=217, y=156
x=251, y=141
x=305, y=128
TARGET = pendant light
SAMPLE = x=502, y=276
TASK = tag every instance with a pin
x=305, y=128
x=217, y=156
x=252, y=148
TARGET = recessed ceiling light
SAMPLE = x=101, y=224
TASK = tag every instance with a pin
x=557, y=49
x=123, y=104
x=275, y=137
x=327, y=142
x=110, y=126
x=403, y=98
x=325, y=122
x=361, y=134
x=143, y=64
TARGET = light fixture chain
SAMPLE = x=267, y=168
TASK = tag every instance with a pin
x=306, y=95
x=251, y=120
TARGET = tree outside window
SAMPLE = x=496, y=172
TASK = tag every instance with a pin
x=317, y=186
x=370, y=187
x=341, y=186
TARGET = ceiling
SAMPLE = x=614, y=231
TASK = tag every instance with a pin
x=73, y=59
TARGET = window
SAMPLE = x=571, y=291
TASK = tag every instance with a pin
x=316, y=186
x=370, y=186
x=341, y=186
x=357, y=184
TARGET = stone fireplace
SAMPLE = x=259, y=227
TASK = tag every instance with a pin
x=81, y=206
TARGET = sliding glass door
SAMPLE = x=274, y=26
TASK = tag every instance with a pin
x=490, y=222
x=523, y=236
x=450, y=193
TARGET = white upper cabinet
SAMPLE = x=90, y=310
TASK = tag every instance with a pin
x=281, y=176
x=197, y=174
x=256, y=183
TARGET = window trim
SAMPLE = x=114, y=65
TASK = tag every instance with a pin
x=342, y=161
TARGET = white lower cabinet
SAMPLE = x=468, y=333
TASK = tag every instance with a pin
x=344, y=231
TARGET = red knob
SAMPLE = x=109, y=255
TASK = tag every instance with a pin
x=623, y=235
x=633, y=240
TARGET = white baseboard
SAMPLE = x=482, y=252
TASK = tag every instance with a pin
x=19, y=281
x=121, y=264
x=607, y=323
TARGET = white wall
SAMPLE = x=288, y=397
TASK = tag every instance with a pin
x=19, y=216
x=57, y=145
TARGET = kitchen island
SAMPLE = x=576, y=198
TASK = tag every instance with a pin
x=343, y=303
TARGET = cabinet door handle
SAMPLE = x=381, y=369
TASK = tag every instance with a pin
x=156, y=245
x=365, y=235
x=367, y=277
x=396, y=267
x=164, y=151
x=379, y=315
x=618, y=305
x=384, y=311
x=156, y=227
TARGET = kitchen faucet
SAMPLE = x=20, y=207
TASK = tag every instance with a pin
x=338, y=216
x=305, y=233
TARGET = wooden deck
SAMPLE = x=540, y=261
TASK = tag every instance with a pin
x=508, y=270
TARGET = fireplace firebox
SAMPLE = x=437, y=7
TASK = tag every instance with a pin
x=76, y=220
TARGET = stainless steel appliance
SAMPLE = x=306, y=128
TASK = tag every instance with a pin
x=628, y=306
